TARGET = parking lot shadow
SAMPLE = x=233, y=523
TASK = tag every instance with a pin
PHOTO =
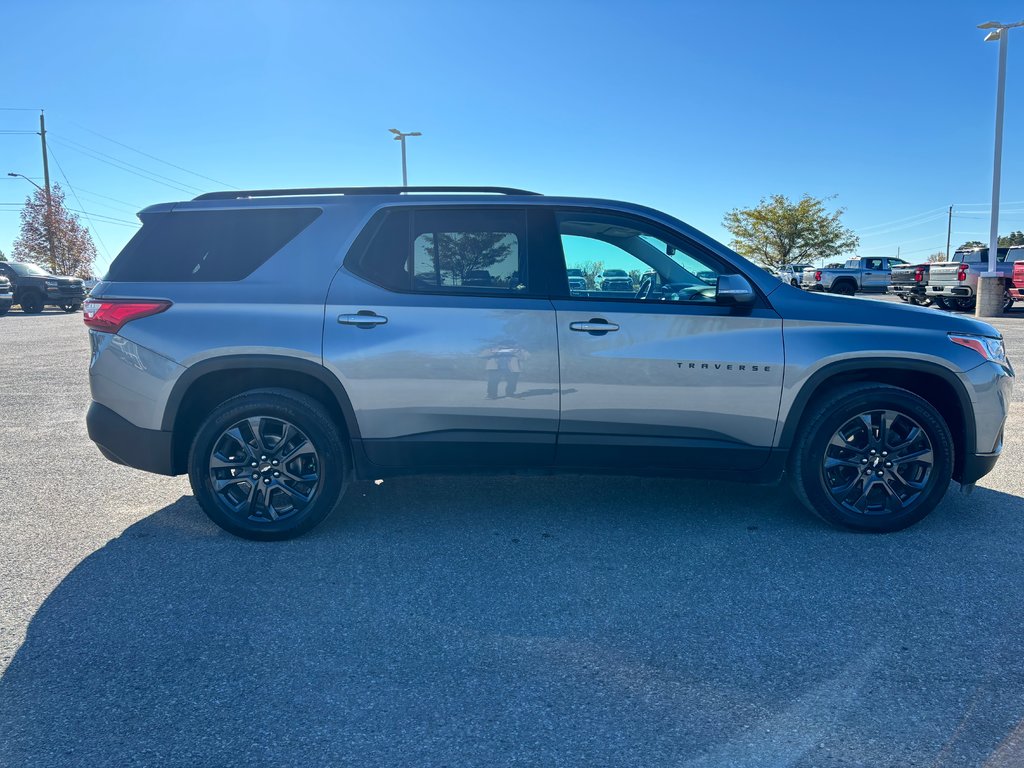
x=547, y=621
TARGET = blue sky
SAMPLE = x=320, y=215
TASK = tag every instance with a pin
x=690, y=108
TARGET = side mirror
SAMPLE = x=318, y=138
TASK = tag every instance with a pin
x=734, y=290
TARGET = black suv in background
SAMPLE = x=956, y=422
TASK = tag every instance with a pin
x=35, y=288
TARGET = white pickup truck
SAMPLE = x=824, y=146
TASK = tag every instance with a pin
x=865, y=274
x=953, y=284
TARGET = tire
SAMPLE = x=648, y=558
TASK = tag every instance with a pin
x=31, y=303
x=962, y=305
x=1007, y=302
x=794, y=283
x=844, y=288
x=69, y=308
x=940, y=302
x=891, y=502
x=260, y=510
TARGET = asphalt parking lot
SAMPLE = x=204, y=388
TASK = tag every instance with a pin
x=489, y=621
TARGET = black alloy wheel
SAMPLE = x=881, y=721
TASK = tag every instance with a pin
x=871, y=457
x=269, y=464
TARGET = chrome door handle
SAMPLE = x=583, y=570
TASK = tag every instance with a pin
x=362, y=319
x=596, y=325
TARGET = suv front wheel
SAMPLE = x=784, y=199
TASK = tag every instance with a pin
x=873, y=457
x=268, y=464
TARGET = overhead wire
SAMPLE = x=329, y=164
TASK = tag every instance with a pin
x=127, y=167
x=153, y=157
x=83, y=212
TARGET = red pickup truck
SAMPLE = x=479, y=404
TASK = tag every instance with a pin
x=1016, y=287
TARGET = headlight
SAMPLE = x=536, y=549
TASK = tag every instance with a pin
x=989, y=348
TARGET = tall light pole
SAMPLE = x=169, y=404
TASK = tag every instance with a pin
x=990, y=284
x=399, y=136
x=49, y=217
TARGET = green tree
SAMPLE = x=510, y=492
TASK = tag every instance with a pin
x=2, y=257
x=779, y=231
x=1014, y=238
x=72, y=243
x=972, y=244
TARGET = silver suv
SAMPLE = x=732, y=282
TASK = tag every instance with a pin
x=278, y=345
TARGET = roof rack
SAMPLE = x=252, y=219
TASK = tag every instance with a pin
x=242, y=193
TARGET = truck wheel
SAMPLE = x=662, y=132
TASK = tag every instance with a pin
x=268, y=464
x=1007, y=301
x=31, y=303
x=873, y=457
x=940, y=302
x=844, y=288
x=69, y=308
x=794, y=283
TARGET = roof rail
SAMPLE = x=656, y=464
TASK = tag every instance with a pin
x=242, y=193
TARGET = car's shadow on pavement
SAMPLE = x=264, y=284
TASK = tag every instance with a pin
x=496, y=621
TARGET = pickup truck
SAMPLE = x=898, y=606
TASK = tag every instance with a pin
x=868, y=274
x=6, y=296
x=792, y=273
x=909, y=283
x=808, y=281
x=953, y=284
x=35, y=288
x=1016, y=288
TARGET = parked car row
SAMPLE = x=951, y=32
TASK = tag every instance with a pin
x=32, y=287
x=949, y=284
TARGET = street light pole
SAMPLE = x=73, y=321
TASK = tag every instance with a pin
x=989, y=301
x=49, y=217
x=399, y=136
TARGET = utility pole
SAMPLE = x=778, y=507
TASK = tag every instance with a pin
x=949, y=230
x=49, y=197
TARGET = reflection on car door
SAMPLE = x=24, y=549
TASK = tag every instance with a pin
x=446, y=356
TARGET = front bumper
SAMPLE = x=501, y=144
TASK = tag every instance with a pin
x=122, y=442
x=6, y=300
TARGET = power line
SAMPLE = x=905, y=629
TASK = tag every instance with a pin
x=110, y=160
x=21, y=109
x=98, y=235
x=152, y=157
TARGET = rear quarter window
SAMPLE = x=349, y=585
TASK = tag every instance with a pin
x=207, y=246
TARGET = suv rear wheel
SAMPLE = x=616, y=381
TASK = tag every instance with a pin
x=268, y=464
x=872, y=458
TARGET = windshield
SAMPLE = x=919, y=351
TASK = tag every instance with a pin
x=26, y=269
x=615, y=273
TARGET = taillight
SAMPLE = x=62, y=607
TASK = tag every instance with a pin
x=962, y=274
x=110, y=316
x=919, y=274
x=817, y=276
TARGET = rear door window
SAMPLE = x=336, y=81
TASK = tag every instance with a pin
x=456, y=250
x=207, y=246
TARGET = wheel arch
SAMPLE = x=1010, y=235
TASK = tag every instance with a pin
x=206, y=384
x=938, y=385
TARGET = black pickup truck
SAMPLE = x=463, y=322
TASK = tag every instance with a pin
x=35, y=288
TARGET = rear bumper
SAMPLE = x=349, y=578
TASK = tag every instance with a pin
x=1017, y=294
x=906, y=290
x=951, y=291
x=122, y=442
